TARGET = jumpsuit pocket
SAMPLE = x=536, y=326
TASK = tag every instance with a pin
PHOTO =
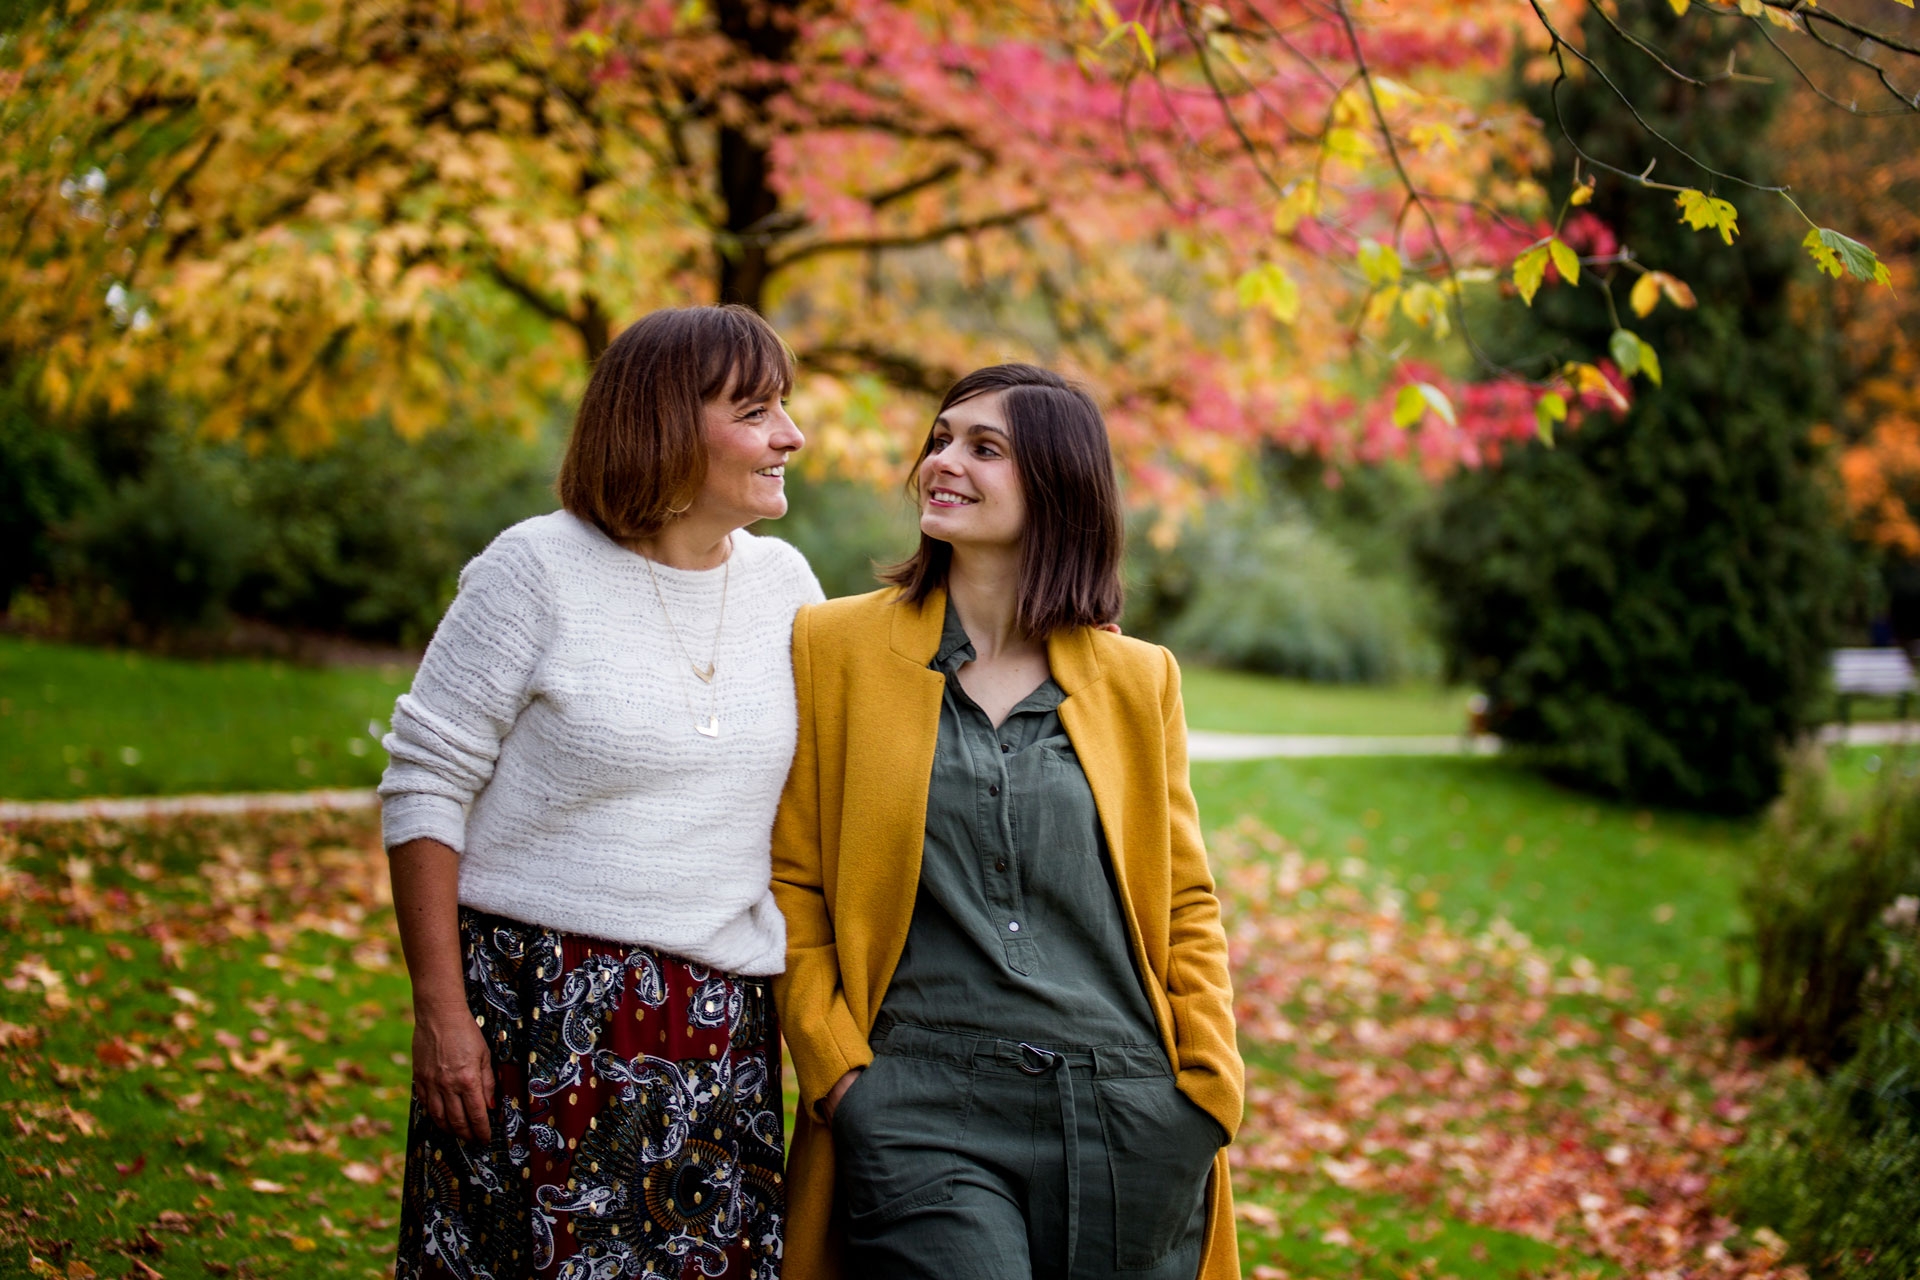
x=1160, y=1150
x=897, y=1136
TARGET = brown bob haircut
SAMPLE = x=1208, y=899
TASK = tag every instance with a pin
x=639, y=449
x=1075, y=536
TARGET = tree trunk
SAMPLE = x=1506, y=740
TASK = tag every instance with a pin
x=764, y=31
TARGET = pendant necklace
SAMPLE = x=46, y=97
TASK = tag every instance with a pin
x=709, y=727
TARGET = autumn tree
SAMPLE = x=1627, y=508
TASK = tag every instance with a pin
x=289, y=215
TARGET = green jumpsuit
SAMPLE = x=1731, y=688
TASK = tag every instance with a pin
x=1020, y=1116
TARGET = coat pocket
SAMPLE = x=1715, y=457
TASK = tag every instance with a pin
x=1160, y=1150
x=897, y=1136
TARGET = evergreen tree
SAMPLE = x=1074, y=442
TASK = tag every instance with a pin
x=1649, y=604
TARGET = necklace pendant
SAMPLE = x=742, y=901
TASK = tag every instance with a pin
x=708, y=728
x=705, y=673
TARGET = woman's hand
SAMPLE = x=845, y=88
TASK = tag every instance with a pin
x=453, y=1071
x=452, y=1068
x=831, y=1102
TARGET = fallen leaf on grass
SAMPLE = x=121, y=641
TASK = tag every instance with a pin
x=365, y=1174
x=266, y=1187
x=134, y=1166
x=1256, y=1215
x=115, y=1053
x=1522, y=1090
x=15, y=1036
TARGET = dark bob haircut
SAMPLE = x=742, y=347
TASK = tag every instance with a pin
x=1075, y=536
x=639, y=449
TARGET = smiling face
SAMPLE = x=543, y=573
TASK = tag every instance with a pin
x=747, y=446
x=970, y=493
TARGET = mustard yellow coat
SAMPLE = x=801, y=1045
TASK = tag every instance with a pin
x=846, y=867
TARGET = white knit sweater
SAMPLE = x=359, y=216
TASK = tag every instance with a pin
x=549, y=738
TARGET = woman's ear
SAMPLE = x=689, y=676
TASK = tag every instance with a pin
x=1111, y=626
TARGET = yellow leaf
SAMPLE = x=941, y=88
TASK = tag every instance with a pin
x=1586, y=378
x=1582, y=193
x=1439, y=133
x=1678, y=6
x=1752, y=8
x=1299, y=201
x=1678, y=292
x=1650, y=362
x=1552, y=408
x=1529, y=269
x=1788, y=21
x=1565, y=260
x=1700, y=211
x=303, y=1244
x=1268, y=285
x=1350, y=145
x=1645, y=296
x=1380, y=263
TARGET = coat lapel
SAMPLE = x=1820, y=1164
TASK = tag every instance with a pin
x=1084, y=714
x=889, y=768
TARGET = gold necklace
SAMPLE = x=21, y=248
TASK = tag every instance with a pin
x=710, y=727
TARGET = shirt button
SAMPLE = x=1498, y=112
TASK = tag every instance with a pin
x=999, y=864
x=1013, y=926
x=994, y=790
x=1005, y=747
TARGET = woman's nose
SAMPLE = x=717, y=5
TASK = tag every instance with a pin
x=786, y=435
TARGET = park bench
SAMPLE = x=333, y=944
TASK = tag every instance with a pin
x=1873, y=672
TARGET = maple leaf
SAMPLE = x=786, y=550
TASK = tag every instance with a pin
x=1652, y=286
x=1835, y=253
x=1702, y=211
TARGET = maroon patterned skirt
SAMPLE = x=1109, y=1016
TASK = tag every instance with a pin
x=636, y=1120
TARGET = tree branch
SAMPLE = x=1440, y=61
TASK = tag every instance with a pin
x=911, y=240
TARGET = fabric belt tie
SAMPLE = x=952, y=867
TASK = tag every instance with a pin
x=1036, y=1061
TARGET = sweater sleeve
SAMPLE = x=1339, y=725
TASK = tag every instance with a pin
x=471, y=687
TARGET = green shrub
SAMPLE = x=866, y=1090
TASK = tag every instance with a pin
x=149, y=530
x=1259, y=587
x=1832, y=1162
x=1649, y=604
x=1826, y=869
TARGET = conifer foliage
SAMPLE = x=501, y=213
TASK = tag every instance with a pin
x=1648, y=604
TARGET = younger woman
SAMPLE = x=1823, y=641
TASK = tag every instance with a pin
x=1006, y=992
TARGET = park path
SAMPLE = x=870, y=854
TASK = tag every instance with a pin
x=1203, y=745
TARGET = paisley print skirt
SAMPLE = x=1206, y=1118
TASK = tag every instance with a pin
x=636, y=1121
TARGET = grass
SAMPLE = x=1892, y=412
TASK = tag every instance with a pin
x=203, y=1036
x=1240, y=702
x=203, y=1028
x=84, y=722
x=1475, y=839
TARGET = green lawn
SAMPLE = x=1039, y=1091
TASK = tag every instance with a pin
x=1239, y=702
x=83, y=722
x=203, y=1039
x=1475, y=839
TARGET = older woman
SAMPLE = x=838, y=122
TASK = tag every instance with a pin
x=1006, y=992
x=577, y=814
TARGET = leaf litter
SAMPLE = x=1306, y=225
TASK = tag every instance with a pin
x=1516, y=1087
x=1473, y=1073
